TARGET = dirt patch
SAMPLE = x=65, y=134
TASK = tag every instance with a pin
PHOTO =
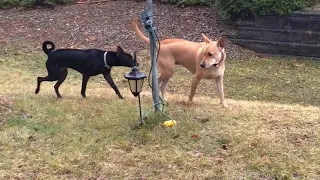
x=5, y=108
x=108, y=24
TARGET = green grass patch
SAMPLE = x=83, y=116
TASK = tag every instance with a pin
x=275, y=80
x=23, y=122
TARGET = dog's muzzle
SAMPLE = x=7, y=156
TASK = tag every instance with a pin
x=203, y=65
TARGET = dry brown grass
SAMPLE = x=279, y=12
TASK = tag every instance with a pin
x=76, y=138
x=5, y=108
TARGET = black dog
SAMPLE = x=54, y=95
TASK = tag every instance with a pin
x=89, y=63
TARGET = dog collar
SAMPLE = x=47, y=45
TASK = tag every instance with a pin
x=222, y=58
x=105, y=60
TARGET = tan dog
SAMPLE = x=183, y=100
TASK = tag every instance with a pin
x=204, y=60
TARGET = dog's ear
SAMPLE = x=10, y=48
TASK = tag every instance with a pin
x=222, y=42
x=119, y=50
x=206, y=39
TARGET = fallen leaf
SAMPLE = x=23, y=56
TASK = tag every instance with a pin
x=195, y=136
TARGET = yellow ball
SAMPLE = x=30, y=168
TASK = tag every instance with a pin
x=169, y=123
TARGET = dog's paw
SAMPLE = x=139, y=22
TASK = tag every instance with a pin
x=189, y=103
x=225, y=105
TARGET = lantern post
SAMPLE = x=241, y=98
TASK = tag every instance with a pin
x=147, y=17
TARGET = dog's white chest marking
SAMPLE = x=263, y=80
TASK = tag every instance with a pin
x=213, y=72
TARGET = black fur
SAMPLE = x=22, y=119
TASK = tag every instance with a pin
x=88, y=62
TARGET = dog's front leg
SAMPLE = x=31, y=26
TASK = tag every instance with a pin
x=85, y=79
x=194, y=84
x=219, y=83
x=110, y=81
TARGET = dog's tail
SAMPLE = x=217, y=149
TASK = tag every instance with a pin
x=138, y=32
x=45, y=48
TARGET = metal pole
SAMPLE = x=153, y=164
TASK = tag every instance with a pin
x=149, y=6
x=141, y=120
x=147, y=18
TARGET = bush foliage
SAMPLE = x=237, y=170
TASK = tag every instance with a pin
x=240, y=9
x=191, y=2
x=4, y=4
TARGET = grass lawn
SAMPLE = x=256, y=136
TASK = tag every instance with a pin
x=270, y=132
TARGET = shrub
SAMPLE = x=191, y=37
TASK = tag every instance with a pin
x=191, y=2
x=8, y=3
x=4, y=4
x=240, y=9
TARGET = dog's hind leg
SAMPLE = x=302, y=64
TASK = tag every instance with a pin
x=85, y=79
x=41, y=79
x=52, y=76
x=163, y=86
x=62, y=77
x=166, y=72
x=114, y=87
x=160, y=81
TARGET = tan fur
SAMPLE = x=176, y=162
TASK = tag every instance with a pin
x=191, y=55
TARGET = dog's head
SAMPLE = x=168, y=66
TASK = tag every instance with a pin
x=213, y=52
x=124, y=58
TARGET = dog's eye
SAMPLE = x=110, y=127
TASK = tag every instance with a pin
x=209, y=54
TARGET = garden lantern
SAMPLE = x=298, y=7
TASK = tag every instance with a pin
x=135, y=79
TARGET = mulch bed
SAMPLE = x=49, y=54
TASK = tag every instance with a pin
x=108, y=24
